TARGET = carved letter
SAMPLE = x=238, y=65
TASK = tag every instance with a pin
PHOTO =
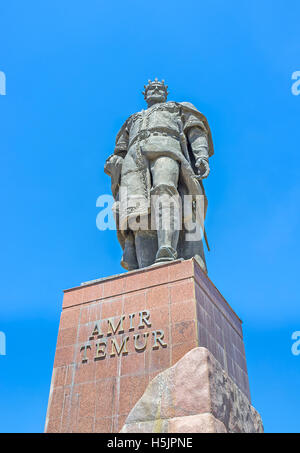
x=111, y=327
x=114, y=343
x=131, y=316
x=144, y=317
x=97, y=331
x=158, y=337
x=84, y=348
x=136, y=341
x=100, y=349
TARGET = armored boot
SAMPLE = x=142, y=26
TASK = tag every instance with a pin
x=165, y=239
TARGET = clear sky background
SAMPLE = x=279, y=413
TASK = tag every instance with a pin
x=75, y=71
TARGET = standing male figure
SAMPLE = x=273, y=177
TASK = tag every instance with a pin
x=160, y=153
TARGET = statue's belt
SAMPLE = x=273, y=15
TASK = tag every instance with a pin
x=143, y=135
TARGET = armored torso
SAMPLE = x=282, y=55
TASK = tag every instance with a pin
x=156, y=128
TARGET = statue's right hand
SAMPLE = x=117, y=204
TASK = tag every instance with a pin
x=113, y=164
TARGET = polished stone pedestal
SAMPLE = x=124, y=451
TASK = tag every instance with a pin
x=118, y=333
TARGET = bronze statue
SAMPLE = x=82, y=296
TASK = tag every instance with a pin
x=162, y=151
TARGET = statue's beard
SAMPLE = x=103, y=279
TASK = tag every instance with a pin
x=156, y=98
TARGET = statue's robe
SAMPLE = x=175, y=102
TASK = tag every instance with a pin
x=146, y=135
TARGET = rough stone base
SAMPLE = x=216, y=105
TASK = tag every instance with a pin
x=194, y=396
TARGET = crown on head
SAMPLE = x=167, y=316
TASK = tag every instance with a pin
x=155, y=83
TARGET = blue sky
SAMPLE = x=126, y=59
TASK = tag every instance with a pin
x=75, y=71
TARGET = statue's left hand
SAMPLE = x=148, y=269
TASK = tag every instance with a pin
x=203, y=168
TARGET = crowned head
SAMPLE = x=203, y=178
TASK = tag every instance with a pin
x=155, y=92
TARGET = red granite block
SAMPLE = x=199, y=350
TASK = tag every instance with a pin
x=105, y=396
x=84, y=425
x=92, y=292
x=95, y=311
x=65, y=428
x=146, y=278
x=135, y=302
x=60, y=376
x=204, y=284
x=54, y=425
x=157, y=296
x=69, y=318
x=87, y=400
x=157, y=275
x=74, y=410
x=183, y=332
x=84, y=314
x=133, y=363
x=111, y=307
x=64, y=356
x=66, y=337
x=56, y=403
x=107, y=368
x=85, y=331
x=72, y=297
x=104, y=425
x=70, y=374
x=183, y=311
x=125, y=395
x=131, y=389
x=119, y=423
x=181, y=270
x=137, y=388
x=159, y=318
x=85, y=372
x=182, y=291
x=113, y=287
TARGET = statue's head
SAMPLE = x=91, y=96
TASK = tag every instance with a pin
x=155, y=92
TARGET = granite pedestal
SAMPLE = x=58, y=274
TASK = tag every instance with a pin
x=118, y=333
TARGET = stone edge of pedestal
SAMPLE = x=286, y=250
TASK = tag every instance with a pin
x=123, y=274
x=174, y=271
x=194, y=395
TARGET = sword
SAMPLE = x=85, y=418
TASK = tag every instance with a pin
x=183, y=143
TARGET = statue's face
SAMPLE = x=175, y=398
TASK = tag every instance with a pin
x=155, y=94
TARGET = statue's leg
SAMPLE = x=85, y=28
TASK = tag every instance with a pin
x=129, y=259
x=146, y=247
x=166, y=206
x=134, y=209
